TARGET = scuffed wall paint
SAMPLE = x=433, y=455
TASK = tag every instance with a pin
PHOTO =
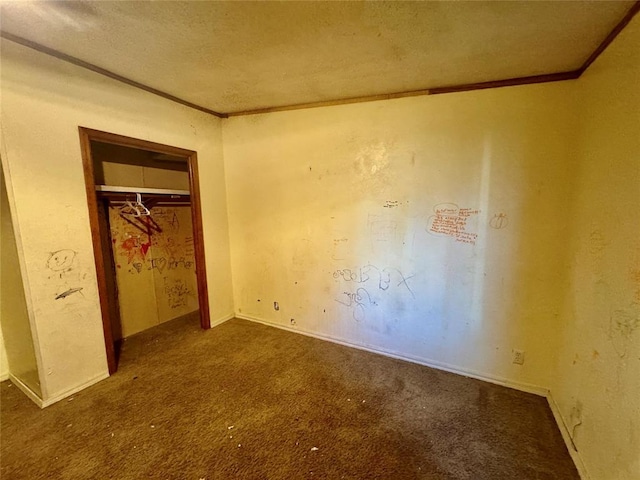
x=598, y=382
x=430, y=227
x=44, y=100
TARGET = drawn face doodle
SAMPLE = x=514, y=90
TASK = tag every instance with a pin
x=61, y=260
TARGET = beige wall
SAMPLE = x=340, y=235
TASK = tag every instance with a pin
x=598, y=382
x=155, y=273
x=431, y=227
x=44, y=100
x=4, y=363
x=17, y=355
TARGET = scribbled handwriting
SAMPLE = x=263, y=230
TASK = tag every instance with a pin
x=178, y=292
x=382, y=278
x=369, y=284
x=358, y=301
x=179, y=262
x=451, y=221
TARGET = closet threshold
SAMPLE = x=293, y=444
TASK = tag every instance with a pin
x=151, y=191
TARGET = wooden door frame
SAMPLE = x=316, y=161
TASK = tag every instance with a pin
x=87, y=135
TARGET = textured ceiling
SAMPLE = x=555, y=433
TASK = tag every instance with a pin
x=238, y=56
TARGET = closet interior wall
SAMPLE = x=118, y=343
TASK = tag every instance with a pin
x=153, y=256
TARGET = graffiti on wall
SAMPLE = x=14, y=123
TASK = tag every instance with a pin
x=366, y=287
x=177, y=292
x=452, y=221
x=64, y=274
x=61, y=262
x=155, y=270
x=166, y=248
x=499, y=221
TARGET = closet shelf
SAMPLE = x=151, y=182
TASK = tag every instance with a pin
x=149, y=191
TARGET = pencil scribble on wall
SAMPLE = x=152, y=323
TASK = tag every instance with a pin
x=499, y=221
x=367, y=287
x=168, y=217
x=65, y=274
x=623, y=327
x=188, y=244
x=177, y=292
x=61, y=262
x=340, y=248
x=68, y=292
x=159, y=264
x=382, y=228
x=359, y=301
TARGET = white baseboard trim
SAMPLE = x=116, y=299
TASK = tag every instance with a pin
x=71, y=391
x=566, y=436
x=26, y=390
x=221, y=320
x=525, y=387
x=4, y=376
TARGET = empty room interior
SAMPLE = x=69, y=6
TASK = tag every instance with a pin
x=281, y=240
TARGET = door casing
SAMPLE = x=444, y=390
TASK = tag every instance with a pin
x=99, y=231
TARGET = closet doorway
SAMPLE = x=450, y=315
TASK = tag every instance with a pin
x=146, y=227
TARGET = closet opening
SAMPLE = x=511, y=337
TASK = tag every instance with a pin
x=146, y=227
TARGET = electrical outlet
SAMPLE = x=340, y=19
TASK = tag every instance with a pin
x=518, y=357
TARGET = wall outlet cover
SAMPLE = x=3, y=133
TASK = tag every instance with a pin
x=518, y=357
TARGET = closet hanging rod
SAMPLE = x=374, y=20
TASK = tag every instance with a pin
x=156, y=191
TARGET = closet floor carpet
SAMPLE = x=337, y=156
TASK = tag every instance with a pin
x=247, y=401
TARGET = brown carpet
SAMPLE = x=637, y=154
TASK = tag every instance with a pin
x=246, y=401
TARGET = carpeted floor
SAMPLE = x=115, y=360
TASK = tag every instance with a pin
x=246, y=401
